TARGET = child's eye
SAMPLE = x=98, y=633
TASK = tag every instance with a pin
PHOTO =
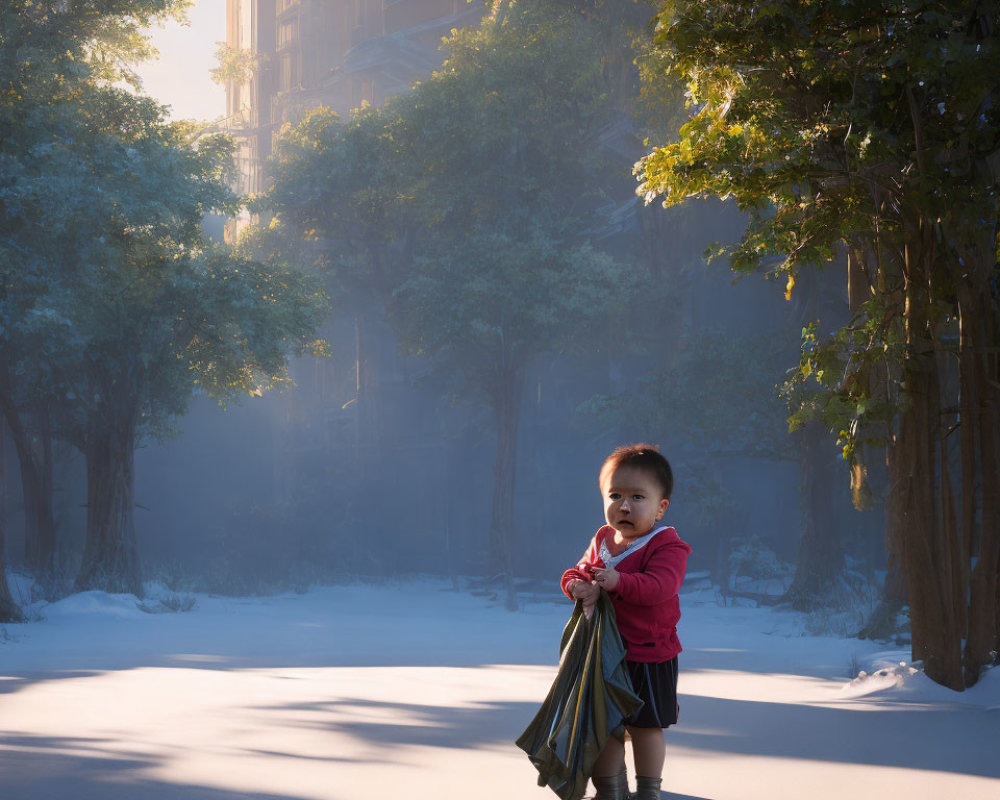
x=613, y=496
x=638, y=497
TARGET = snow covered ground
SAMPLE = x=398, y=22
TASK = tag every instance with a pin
x=413, y=690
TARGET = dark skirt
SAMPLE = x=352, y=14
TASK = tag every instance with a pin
x=656, y=685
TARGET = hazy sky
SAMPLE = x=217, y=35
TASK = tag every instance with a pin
x=180, y=77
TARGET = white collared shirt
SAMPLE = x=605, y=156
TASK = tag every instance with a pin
x=610, y=561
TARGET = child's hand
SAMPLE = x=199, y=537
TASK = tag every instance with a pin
x=607, y=579
x=586, y=591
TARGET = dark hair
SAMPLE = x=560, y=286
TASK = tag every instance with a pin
x=642, y=456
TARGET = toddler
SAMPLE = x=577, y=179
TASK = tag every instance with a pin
x=641, y=565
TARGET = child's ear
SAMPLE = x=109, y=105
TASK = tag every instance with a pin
x=664, y=505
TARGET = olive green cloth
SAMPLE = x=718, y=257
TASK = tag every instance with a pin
x=588, y=702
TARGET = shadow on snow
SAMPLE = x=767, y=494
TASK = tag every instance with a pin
x=94, y=769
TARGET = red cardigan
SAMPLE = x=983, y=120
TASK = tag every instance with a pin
x=645, y=599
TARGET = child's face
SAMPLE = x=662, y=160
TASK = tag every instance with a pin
x=633, y=501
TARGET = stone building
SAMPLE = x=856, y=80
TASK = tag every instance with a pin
x=340, y=54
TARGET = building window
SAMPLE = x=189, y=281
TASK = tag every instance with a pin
x=288, y=77
x=287, y=33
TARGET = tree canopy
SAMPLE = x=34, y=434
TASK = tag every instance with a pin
x=115, y=307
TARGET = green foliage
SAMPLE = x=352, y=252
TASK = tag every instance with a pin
x=857, y=401
x=840, y=126
x=477, y=192
x=245, y=319
x=56, y=44
x=125, y=290
x=114, y=307
x=505, y=170
x=505, y=131
x=340, y=196
x=709, y=501
x=718, y=396
x=508, y=299
x=235, y=65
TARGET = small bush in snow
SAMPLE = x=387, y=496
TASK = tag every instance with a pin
x=847, y=607
x=751, y=558
x=169, y=603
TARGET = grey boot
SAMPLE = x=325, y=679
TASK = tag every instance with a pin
x=613, y=788
x=646, y=788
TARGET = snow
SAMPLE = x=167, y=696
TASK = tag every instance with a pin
x=411, y=689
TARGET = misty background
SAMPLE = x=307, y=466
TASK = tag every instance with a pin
x=329, y=478
x=263, y=494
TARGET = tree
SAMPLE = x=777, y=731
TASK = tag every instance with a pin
x=509, y=299
x=235, y=65
x=54, y=53
x=466, y=208
x=9, y=610
x=158, y=313
x=117, y=307
x=870, y=129
x=508, y=182
x=340, y=204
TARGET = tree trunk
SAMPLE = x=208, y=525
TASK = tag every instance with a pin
x=34, y=453
x=36, y=471
x=820, y=554
x=969, y=465
x=935, y=640
x=957, y=556
x=367, y=440
x=9, y=610
x=882, y=622
x=979, y=356
x=110, y=556
x=926, y=556
x=859, y=287
x=507, y=410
